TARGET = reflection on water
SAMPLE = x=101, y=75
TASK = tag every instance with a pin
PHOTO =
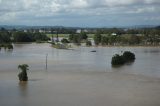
x=23, y=88
x=152, y=51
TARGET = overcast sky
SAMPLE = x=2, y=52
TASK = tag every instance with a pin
x=82, y=13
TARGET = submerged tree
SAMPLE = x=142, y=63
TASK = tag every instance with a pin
x=128, y=56
x=117, y=60
x=122, y=59
x=23, y=74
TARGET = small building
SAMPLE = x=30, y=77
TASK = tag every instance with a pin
x=114, y=34
x=78, y=31
x=41, y=31
x=25, y=30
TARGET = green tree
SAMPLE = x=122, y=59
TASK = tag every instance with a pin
x=128, y=56
x=97, y=38
x=64, y=40
x=40, y=37
x=112, y=39
x=117, y=60
x=88, y=43
x=83, y=35
x=104, y=40
x=77, y=39
x=5, y=37
x=71, y=36
x=23, y=74
x=23, y=37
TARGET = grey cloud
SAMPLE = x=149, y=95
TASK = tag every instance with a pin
x=32, y=10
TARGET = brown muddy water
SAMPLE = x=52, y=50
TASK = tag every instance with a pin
x=79, y=77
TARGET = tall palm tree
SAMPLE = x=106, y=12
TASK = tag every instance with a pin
x=23, y=74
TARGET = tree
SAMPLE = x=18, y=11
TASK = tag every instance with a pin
x=23, y=37
x=64, y=40
x=97, y=38
x=5, y=37
x=88, y=43
x=122, y=59
x=71, y=36
x=128, y=56
x=83, y=35
x=23, y=74
x=112, y=39
x=117, y=60
x=104, y=40
x=29, y=37
x=40, y=37
x=75, y=38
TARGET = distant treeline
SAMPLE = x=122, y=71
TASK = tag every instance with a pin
x=149, y=36
x=19, y=36
x=28, y=37
x=102, y=36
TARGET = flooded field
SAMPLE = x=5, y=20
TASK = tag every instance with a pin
x=79, y=77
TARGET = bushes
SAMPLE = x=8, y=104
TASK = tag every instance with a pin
x=29, y=37
x=122, y=59
x=128, y=56
x=88, y=43
x=117, y=60
x=64, y=40
x=6, y=46
x=23, y=74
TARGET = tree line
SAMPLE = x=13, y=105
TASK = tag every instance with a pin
x=148, y=37
x=102, y=36
x=131, y=37
x=19, y=36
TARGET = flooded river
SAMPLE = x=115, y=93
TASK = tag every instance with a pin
x=78, y=77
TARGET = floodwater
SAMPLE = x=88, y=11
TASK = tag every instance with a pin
x=78, y=77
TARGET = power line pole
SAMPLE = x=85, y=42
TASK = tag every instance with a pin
x=46, y=61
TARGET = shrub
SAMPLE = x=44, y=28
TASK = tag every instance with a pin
x=9, y=46
x=122, y=59
x=88, y=43
x=23, y=74
x=117, y=60
x=128, y=56
x=64, y=41
x=6, y=46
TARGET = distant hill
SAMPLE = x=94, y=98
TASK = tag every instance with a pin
x=22, y=27
x=27, y=27
x=158, y=27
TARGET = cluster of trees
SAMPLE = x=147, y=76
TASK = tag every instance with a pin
x=78, y=38
x=103, y=36
x=127, y=39
x=5, y=37
x=19, y=36
x=28, y=37
x=127, y=56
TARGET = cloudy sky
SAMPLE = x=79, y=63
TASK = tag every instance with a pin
x=82, y=13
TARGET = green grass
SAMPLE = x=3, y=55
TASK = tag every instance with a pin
x=67, y=35
x=60, y=35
